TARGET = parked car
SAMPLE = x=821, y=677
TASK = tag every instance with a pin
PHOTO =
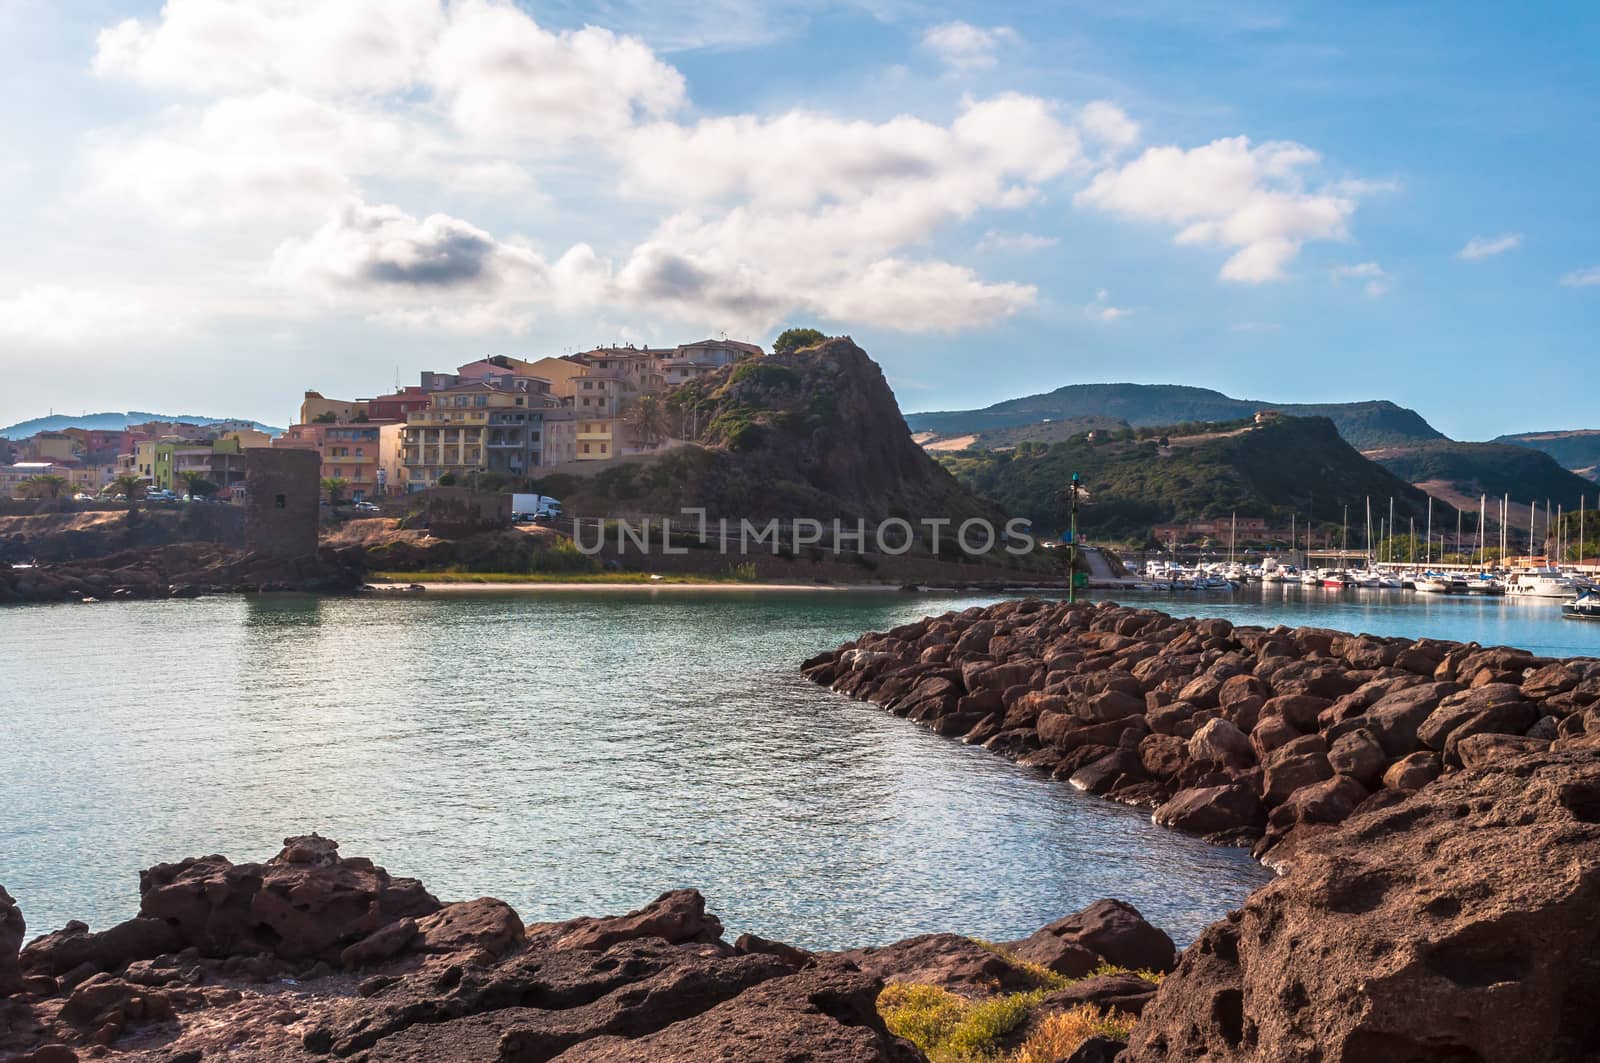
x=366, y=507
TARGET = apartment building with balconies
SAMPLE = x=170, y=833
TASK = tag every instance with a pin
x=479, y=427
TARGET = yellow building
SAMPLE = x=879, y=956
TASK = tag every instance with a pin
x=475, y=428
x=316, y=409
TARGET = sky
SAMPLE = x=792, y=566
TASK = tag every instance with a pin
x=215, y=205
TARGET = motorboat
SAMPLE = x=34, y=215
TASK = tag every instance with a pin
x=1586, y=607
x=1338, y=580
x=1541, y=583
x=1486, y=584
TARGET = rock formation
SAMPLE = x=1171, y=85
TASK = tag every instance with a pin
x=1245, y=735
x=1460, y=926
x=314, y=956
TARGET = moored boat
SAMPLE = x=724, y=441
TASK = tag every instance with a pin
x=1586, y=607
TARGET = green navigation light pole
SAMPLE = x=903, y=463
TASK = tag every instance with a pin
x=1072, y=541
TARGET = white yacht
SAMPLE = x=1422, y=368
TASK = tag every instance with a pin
x=1541, y=583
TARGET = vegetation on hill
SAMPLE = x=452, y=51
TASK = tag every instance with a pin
x=1578, y=450
x=1363, y=424
x=1286, y=466
x=1494, y=469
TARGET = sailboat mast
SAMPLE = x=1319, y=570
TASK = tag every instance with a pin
x=1430, y=530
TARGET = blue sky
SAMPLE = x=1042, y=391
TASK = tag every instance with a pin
x=216, y=205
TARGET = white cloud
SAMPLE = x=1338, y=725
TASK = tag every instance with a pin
x=963, y=46
x=1253, y=199
x=1481, y=247
x=1377, y=281
x=995, y=240
x=1102, y=310
x=1582, y=278
x=1107, y=124
x=502, y=75
x=207, y=46
x=61, y=316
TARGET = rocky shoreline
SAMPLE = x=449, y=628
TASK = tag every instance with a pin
x=314, y=956
x=1253, y=736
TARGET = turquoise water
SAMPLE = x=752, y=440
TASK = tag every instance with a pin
x=570, y=754
x=580, y=753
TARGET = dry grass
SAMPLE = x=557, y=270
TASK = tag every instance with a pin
x=1058, y=1035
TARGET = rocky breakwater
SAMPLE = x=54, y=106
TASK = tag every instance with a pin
x=1460, y=926
x=1246, y=735
x=314, y=956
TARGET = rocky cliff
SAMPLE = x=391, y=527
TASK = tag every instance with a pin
x=816, y=433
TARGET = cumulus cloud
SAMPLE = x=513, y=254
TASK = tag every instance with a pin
x=59, y=315
x=1481, y=247
x=1582, y=278
x=1377, y=281
x=995, y=240
x=1102, y=310
x=963, y=46
x=1228, y=193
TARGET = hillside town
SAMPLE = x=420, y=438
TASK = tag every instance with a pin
x=497, y=419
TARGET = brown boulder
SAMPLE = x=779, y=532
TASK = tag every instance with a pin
x=1497, y=707
x=75, y=946
x=1109, y=705
x=1395, y=717
x=12, y=930
x=1413, y=771
x=1163, y=756
x=948, y=961
x=1113, y=930
x=1329, y=801
x=1475, y=751
x=1300, y=710
x=677, y=916
x=1358, y=754
x=826, y=1014
x=1458, y=925
x=305, y=903
x=1119, y=992
x=1221, y=743
x=1231, y=810
x=1300, y=763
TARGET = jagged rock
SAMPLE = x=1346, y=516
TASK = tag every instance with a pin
x=305, y=903
x=486, y=924
x=12, y=930
x=75, y=946
x=948, y=961
x=1111, y=929
x=1413, y=772
x=1477, y=750
x=1459, y=925
x=1359, y=754
x=1220, y=742
x=677, y=916
x=1231, y=810
x=827, y=1014
x=1123, y=992
x=753, y=943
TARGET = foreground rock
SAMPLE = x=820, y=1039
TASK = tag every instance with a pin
x=1246, y=735
x=1460, y=926
x=314, y=956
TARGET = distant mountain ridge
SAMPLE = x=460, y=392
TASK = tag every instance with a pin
x=1577, y=449
x=111, y=422
x=1492, y=469
x=1364, y=425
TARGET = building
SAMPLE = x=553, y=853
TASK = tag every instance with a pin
x=1248, y=529
x=219, y=461
x=14, y=478
x=395, y=407
x=475, y=428
x=350, y=451
x=315, y=409
x=52, y=446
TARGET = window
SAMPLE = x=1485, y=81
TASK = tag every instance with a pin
x=585, y=450
x=281, y=502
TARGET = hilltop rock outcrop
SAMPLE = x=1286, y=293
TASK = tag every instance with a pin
x=1459, y=926
x=1246, y=735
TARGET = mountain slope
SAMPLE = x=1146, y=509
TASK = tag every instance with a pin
x=1578, y=450
x=108, y=422
x=1494, y=469
x=1363, y=424
x=1287, y=466
x=815, y=433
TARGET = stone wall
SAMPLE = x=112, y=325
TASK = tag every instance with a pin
x=453, y=512
x=283, y=493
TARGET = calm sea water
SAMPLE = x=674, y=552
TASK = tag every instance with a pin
x=578, y=754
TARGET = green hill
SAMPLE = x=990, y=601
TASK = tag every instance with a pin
x=1494, y=469
x=1363, y=424
x=1286, y=466
x=1578, y=450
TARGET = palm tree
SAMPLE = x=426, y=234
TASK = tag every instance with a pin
x=130, y=487
x=646, y=419
x=45, y=485
x=334, y=488
x=196, y=484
